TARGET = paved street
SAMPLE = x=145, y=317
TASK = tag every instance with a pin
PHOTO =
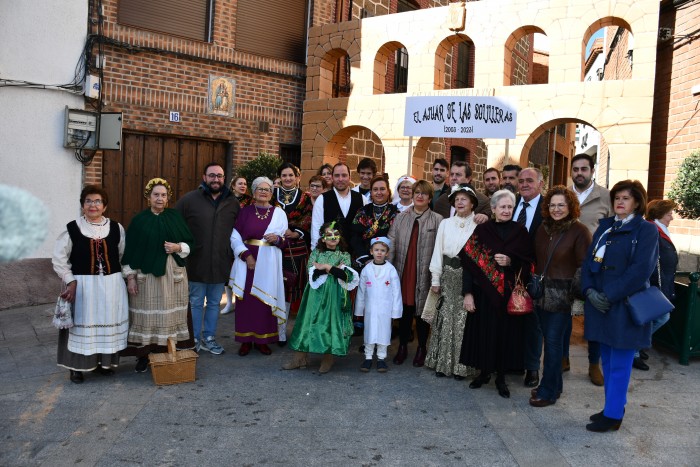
x=245, y=411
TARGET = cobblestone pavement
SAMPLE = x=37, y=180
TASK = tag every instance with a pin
x=245, y=411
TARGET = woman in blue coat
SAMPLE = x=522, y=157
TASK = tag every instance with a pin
x=618, y=264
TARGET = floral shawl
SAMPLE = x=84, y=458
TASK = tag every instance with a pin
x=300, y=217
x=364, y=227
x=478, y=259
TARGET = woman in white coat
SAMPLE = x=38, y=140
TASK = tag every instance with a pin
x=379, y=301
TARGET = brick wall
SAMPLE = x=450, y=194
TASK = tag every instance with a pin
x=676, y=121
x=540, y=67
x=521, y=58
x=149, y=74
x=617, y=66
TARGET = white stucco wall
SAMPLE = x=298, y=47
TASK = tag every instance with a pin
x=41, y=42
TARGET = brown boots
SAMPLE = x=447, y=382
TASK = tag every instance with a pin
x=299, y=361
x=595, y=373
x=326, y=363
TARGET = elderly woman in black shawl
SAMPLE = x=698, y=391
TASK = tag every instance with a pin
x=494, y=255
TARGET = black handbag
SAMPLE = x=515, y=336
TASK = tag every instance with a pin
x=535, y=288
x=649, y=304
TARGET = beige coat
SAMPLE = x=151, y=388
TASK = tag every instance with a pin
x=400, y=235
x=596, y=207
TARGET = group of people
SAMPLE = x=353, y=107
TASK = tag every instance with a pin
x=441, y=258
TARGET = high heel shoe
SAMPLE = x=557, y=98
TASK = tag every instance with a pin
x=604, y=424
x=479, y=381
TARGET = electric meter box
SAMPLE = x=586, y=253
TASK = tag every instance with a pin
x=80, y=129
x=90, y=130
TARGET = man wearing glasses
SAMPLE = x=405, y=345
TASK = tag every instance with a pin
x=210, y=212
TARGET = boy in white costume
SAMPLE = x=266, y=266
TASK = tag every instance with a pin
x=379, y=301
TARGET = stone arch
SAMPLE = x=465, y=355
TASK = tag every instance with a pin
x=384, y=58
x=333, y=79
x=447, y=58
x=518, y=37
x=594, y=27
x=560, y=150
x=352, y=143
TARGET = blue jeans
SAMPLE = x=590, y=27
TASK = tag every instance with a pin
x=617, y=368
x=553, y=326
x=533, y=342
x=198, y=292
x=655, y=325
x=593, y=347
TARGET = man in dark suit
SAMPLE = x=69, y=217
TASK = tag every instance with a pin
x=528, y=212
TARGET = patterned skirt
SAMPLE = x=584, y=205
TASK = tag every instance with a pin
x=295, y=259
x=101, y=321
x=159, y=310
x=447, y=329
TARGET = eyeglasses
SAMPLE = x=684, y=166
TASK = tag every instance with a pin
x=219, y=176
x=332, y=238
x=263, y=190
x=93, y=202
x=315, y=187
x=420, y=193
x=405, y=187
x=557, y=206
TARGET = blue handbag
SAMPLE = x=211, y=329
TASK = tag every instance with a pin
x=649, y=304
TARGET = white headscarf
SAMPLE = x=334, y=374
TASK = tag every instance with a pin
x=403, y=178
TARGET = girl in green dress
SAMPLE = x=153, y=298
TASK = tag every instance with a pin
x=324, y=322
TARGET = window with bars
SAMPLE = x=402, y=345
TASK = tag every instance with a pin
x=401, y=70
x=465, y=53
x=291, y=153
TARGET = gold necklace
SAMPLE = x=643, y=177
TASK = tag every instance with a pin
x=463, y=221
x=257, y=214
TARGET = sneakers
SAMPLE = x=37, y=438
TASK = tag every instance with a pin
x=381, y=366
x=209, y=344
x=366, y=365
x=197, y=345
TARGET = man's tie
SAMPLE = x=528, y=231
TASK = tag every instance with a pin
x=522, y=216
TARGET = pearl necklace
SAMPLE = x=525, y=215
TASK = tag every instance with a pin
x=259, y=216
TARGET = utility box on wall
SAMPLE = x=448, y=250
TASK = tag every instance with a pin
x=110, y=131
x=90, y=130
x=80, y=129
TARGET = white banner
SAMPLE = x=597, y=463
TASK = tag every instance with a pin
x=460, y=117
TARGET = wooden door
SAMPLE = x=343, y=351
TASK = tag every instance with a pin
x=180, y=161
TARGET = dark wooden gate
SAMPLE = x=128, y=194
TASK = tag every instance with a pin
x=180, y=161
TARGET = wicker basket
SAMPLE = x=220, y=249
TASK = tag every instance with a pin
x=173, y=367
